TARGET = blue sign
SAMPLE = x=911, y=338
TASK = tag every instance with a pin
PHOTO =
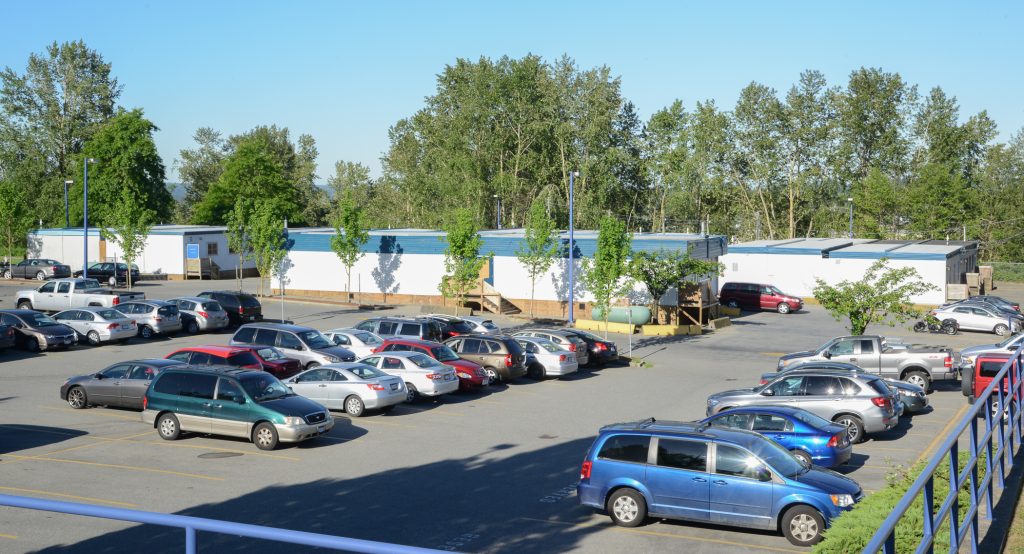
x=192, y=251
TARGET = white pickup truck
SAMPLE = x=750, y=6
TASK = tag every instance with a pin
x=64, y=294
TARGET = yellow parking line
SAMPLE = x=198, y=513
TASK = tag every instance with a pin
x=93, y=411
x=702, y=539
x=942, y=434
x=118, y=466
x=71, y=496
x=775, y=354
x=434, y=411
x=362, y=420
x=4, y=536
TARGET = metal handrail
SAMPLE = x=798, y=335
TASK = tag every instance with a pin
x=192, y=524
x=998, y=462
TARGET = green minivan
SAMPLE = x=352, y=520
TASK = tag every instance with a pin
x=222, y=400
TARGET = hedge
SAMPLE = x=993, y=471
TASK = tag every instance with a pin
x=852, y=530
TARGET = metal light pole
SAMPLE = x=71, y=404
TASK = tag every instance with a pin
x=572, y=244
x=85, y=217
x=67, y=219
x=497, y=215
x=850, y=200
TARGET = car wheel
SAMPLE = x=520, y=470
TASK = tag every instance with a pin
x=536, y=372
x=920, y=327
x=967, y=383
x=354, y=406
x=264, y=436
x=146, y=332
x=1001, y=329
x=492, y=375
x=802, y=456
x=7, y=274
x=112, y=282
x=77, y=398
x=32, y=344
x=733, y=304
x=192, y=328
x=627, y=508
x=168, y=428
x=784, y=308
x=24, y=305
x=93, y=337
x=40, y=276
x=920, y=379
x=803, y=525
x=411, y=394
x=311, y=365
x=854, y=427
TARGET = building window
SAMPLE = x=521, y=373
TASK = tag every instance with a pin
x=211, y=249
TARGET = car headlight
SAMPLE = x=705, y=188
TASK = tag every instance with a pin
x=842, y=500
x=294, y=421
x=464, y=375
x=967, y=360
x=712, y=402
x=333, y=359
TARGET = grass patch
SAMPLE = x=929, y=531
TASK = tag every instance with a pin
x=1015, y=539
x=1007, y=271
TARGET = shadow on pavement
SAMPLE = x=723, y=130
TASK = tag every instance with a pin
x=17, y=437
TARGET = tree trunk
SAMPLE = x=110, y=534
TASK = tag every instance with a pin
x=533, y=285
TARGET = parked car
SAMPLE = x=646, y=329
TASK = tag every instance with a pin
x=471, y=375
x=246, y=403
x=567, y=340
x=989, y=299
x=974, y=382
x=977, y=317
x=98, y=325
x=862, y=402
x=8, y=336
x=423, y=328
x=759, y=296
x=480, y=325
x=153, y=317
x=204, y=314
x=37, y=268
x=600, y=351
x=122, y=384
x=36, y=331
x=500, y=355
x=361, y=343
x=812, y=439
x=353, y=387
x=62, y=294
x=241, y=307
x=546, y=359
x=232, y=356
x=110, y=273
x=919, y=365
x=968, y=355
x=709, y=474
x=274, y=361
x=912, y=398
x=305, y=344
x=452, y=326
x=422, y=374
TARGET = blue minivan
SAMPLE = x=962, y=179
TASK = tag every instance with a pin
x=812, y=439
x=697, y=472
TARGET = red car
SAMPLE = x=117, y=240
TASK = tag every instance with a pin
x=759, y=296
x=217, y=355
x=274, y=362
x=471, y=375
x=987, y=366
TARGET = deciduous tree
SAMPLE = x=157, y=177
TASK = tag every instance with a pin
x=603, y=275
x=349, y=236
x=128, y=225
x=462, y=261
x=882, y=296
x=539, y=247
x=661, y=270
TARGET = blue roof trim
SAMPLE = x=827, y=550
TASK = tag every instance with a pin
x=71, y=232
x=890, y=255
x=776, y=250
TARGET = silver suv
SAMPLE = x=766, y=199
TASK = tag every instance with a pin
x=862, y=402
x=305, y=344
x=152, y=317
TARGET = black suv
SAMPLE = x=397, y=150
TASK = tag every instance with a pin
x=241, y=307
x=423, y=328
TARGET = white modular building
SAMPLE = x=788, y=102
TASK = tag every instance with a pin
x=793, y=265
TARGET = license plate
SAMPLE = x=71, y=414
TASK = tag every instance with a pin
x=321, y=428
x=394, y=386
x=126, y=326
x=486, y=381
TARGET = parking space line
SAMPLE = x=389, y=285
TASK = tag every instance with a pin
x=71, y=496
x=889, y=448
x=93, y=411
x=118, y=466
x=942, y=434
x=361, y=420
x=775, y=354
x=434, y=411
x=5, y=536
x=703, y=539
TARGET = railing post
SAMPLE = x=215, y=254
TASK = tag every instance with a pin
x=954, y=489
x=989, y=466
x=190, y=540
x=928, y=503
x=1001, y=450
x=974, y=483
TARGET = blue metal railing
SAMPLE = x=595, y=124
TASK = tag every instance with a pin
x=193, y=524
x=999, y=442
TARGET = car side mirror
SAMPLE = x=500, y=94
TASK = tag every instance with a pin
x=763, y=473
x=767, y=392
x=827, y=355
x=291, y=389
x=99, y=376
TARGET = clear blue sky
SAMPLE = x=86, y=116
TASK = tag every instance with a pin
x=345, y=71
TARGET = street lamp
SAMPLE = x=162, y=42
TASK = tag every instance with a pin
x=572, y=243
x=85, y=217
x=497, y=215
x=67, y=220
x=850, y=200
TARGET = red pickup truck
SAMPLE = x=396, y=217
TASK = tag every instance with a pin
x=986, y=367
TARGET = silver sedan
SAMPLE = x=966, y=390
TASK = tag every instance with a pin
x=98, y=325
x=361, y=343
x=545, y=358
x=206, y=314
x=349, y=386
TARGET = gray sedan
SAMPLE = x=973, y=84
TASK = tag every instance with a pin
x=98, y=325
x=349, y=386
x=122, y=384
x=206, y=314
x=545, y=358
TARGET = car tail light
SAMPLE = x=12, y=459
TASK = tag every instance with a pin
x=949, y=360
x=204, y=314
x=881, y=402
x=834, y=441
x=158, y=319
x=377, y=349
x=113, y=326
x=584, y=471
x=561, y=357
x=508, y=360
x=600, y=346
x=116, y=301
x=763, y=381
x=572, y=347
x=435, y=376
x=241, y=310
x=145, y=401
x=374, y=386
x=10, y=332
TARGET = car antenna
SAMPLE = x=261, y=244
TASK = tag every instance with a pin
x=647, y=422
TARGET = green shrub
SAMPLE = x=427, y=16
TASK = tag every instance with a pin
x=852, y=530
x=1006, y=271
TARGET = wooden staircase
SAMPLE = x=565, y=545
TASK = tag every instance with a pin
x=492, y=301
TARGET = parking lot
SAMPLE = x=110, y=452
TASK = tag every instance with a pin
x=486, y=472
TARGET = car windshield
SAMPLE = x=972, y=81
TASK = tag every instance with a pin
x=488, y=324
x=243, y=359
x=315, y=339
x=443, y=354
x=1010, y=341
x=548, y=345
x=270, y=354
x=212, y=307
x=85, y=284
x=364, y=371
x=51, y=262
x=587, y=335
x=110, y=314
x=369, y=339
x=462, y=326
x=264, y=387
x=248, y=301
x=811, y=419
x=780, y=459
x=40, y=320
x=422, y=360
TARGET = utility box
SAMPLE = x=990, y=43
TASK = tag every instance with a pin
x=986, y=278
x=955, y=291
